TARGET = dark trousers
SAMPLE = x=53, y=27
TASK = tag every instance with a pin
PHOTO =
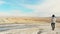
x=53, y=26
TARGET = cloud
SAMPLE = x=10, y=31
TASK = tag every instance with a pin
x=11, y=13
x=47, y=8
x=4, y=14
x=41, y=9
x=19, y=13
x=2, y=2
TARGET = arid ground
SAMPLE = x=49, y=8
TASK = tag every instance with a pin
x=26, y=25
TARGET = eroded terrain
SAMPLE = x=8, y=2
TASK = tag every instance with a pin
x=29, y=29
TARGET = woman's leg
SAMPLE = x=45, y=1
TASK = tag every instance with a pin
x=53, y=26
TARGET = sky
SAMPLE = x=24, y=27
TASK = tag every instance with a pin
x=29, y=8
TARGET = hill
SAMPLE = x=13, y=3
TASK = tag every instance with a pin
x=26, y=20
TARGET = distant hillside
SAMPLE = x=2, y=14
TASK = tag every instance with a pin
x=26, y=20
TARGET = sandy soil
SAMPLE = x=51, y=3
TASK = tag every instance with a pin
x=29, y=29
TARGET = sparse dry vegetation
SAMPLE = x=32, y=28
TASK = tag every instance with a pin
x=43, y=26
x=25, y=20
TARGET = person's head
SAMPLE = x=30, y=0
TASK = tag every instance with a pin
x=53, y=15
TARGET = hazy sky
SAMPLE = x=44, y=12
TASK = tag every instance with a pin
x=30, y=8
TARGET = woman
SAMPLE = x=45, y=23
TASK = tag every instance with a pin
x=53, y=22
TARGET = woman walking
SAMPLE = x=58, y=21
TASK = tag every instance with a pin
x=53, y=22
